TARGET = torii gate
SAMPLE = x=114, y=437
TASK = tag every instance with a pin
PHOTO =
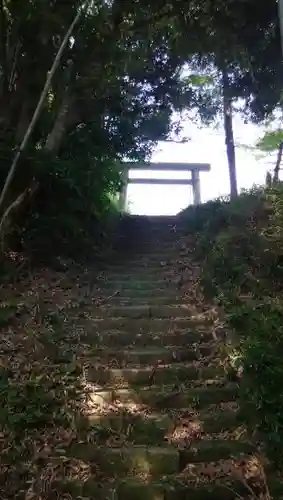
x=194, y=168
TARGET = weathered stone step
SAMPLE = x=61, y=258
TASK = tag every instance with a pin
x=136, y=270
x=163, y=230
x=149, y=325
x=140, y=339
x=146, y=292
x=136, y=286
x=120, y=299
x=143, y=248
x=143, y=311
x=156, y=461
x=173, y=250
x=177, y=488
x=148, y=375
x=154, y=238
x=149, y=260
x=151, y=353
x=164, y=300
x=144, y=264
x=168, y=488
x=169, y=396
x=148, y=231
x=157, y=263
x=142, y=428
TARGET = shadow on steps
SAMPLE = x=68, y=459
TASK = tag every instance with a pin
x=116, y=407
x=138, y=233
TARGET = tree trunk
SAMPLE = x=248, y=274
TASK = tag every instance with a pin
x=23, y=121
x=278, y=163
x=3, y=50
x=38, y=108
x=229, y=135
x=54, y=138
x=280, y=17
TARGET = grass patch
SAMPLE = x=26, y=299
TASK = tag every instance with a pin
x=240, y=245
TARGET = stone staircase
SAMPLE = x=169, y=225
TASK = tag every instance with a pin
x=163, y=422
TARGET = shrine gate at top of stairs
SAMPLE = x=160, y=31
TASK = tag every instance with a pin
x=194, y=181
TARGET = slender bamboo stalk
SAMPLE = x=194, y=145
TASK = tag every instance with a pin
x=39, y=107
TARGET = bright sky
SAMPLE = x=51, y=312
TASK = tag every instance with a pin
x=206, y=146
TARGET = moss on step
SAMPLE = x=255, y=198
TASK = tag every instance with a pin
x=148, y=325
x=136, y=286
x=214, y=450
x=165, y=300
x=176, y=373
x=169, y=397
x=190, y=340
x=133, y=460
x=143, y=311
x=155, y=461
x=135, y=355
x=167, y=488
x=157, y=428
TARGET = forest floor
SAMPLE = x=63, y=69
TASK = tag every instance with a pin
x=117, y=384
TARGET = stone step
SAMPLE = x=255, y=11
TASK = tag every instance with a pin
x=134, y=270
x=156, y=461
x=142, y=311
x=136, y=286
x=178, y=487
x=150, y=325
x=142, y=229
x=148, y=375
x=124, y=290
x=170, y=292
x=164, y=232
x=154, y=238
x=151, y=353
x=141, y=338
x=118, y=298
x=144, y=264
x=133, y=276
x=150, y=231
x=171, y=249
x=164, y=300
x=149, y=260
x=147, y=352
x=178, y=429
x=142, y=249
x=169, y=396
x=175, y=487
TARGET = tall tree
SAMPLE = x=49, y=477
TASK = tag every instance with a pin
x=243, y=41
x=111, y=97
x=280, y=15
x=213, y=103
x=229, y=134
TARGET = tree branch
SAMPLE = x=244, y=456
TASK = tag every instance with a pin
x=39, y=107
x=3, y=29
x=278, y=163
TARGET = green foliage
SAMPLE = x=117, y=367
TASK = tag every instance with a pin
x=29, y=405
x=72, y=208
x=111, y=98
x=241, y=245
x=270, y=141
x=114, y=92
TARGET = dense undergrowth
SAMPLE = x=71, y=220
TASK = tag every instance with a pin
x=69, y=215
x=241, y=246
